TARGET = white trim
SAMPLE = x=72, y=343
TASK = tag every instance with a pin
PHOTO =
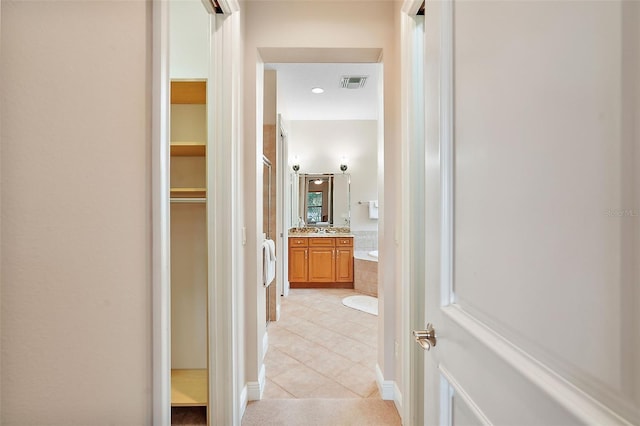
x=283, y=200
x=583, y=406
x=397, y=397
x=386, y=387
x=446, y=402
x=265, y=345
x=243, y=400
x=411, y=7
x=222, y=156
x=446, y=154
x=229, y=6
x=161, y=264
x=413, y=210
x=255, y=389
x=456, y=389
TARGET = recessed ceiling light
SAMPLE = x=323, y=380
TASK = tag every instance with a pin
x=317, y=90
x=318, y=181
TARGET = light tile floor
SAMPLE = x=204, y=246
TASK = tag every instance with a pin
x=320, y=348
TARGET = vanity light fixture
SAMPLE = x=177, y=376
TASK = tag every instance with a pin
x=317, y=90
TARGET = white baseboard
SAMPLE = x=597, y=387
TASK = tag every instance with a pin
x=278, y=312
x=255, y=389
x=386, y=387
x=389, y=390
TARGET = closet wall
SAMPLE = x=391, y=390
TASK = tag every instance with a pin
x=188, y=237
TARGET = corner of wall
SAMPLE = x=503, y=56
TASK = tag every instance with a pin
x=387, y=388
x=255, y=389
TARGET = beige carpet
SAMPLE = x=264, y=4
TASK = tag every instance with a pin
x=321, y=412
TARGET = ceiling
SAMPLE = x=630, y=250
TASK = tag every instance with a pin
x=296, y=102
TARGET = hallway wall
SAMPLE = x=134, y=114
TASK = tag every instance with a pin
x=75, y=236
x=279, y=24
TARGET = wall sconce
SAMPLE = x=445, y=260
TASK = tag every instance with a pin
x=343, y=164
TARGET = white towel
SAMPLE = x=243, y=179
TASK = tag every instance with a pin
x=373, y=209
x=269, y=262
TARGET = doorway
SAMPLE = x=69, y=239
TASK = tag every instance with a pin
x=327, y=115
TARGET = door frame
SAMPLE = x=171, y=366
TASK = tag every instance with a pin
x=222, y=94
x=160, y=262
x=223, y=224
x=414, y=209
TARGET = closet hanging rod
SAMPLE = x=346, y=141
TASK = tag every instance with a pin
x=188, y=200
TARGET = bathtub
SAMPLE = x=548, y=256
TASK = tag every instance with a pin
x=365, y=272
x=371, y=256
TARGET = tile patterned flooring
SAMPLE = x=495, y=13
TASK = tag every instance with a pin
x=320, y=348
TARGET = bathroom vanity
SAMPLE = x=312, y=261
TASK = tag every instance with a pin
x=321, y=260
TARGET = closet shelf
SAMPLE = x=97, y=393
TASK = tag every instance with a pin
x=188, y=192
x=188, y=149
x=189, y=388
x=188, y=92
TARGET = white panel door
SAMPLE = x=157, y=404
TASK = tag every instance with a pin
x=533, y=216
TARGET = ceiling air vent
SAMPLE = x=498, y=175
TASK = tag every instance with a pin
x=353, y=81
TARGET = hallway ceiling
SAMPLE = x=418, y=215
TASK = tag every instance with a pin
x=296, y=102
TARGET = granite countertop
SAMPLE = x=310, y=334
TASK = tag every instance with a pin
x=319, y=234
x=314, y=232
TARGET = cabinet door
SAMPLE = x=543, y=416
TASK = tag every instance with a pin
x=322, y=265
x=344, y=264
x=298, y=264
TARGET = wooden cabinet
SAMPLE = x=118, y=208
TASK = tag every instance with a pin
x=298, y=254
x=321, y=262
x=344, y=260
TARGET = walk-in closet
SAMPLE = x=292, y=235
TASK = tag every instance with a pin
x=189, y=345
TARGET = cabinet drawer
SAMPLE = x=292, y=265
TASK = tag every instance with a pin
x=298, y=242
x=322, y=242
x=344, y=241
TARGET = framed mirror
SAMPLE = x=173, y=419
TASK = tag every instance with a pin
x=320, y=199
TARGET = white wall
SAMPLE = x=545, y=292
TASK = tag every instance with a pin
x=359, y=25
x=319, y=146
x=188, y=40
x=76, y=243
